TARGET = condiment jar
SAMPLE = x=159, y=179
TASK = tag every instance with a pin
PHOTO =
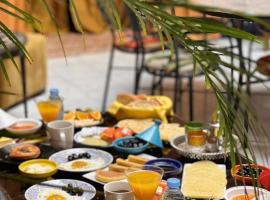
x=195, y=137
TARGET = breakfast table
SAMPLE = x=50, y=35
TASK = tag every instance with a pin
x=16, y=189
x=16, y=184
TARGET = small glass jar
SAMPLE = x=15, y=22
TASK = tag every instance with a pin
x=195, y=137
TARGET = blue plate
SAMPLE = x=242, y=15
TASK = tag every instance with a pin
x=171, y=167
x=135, y=150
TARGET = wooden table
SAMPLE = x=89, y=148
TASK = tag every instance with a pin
x=16, y=189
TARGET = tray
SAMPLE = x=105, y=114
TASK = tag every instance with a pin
x=179, y=144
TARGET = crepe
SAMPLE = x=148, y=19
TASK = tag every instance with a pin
x=167, y=131
x=204, y=179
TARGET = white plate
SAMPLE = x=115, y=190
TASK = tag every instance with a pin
x=90, y=132
x=25, y=131
x=62, y=157
x=223, y=167
x=34, y=191
x=92, y=175
x=240, y=190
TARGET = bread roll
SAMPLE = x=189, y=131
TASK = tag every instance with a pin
x=125, y=98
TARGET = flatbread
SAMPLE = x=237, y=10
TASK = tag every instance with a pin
x=167, y=131
x=204, y=179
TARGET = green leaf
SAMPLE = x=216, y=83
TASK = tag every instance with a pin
x=4, y=71
x=52, y=17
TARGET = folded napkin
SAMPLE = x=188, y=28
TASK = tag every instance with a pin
x=6, y=119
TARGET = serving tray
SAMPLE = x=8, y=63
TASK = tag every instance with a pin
x=179, y=144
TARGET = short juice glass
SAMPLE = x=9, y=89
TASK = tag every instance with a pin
x=49, y=110
x=144, y=181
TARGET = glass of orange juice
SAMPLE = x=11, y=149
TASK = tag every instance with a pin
x=49, y=110
x=144, y=181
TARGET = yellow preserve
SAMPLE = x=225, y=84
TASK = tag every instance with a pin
x=49, y=110
x=144, y=183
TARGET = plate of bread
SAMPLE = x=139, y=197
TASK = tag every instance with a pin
x=116, y=171
x=167, y=130
x=140, y=107
x=204, y=180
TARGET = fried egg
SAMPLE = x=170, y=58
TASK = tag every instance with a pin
x=55, y=194
x=82, y=165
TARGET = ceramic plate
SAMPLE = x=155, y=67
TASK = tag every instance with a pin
x=99, y=159
x=39, y=191
x=93, y=132
x=25, y=131
x=241, y=190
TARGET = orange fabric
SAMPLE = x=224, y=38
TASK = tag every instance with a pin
x=13, y=23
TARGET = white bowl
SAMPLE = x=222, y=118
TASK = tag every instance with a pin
x=27, y=131
x=240, y=190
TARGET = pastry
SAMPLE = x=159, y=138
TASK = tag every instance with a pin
x=126, y=98
x=24, y=152
x=137, y=159
x=117, y=168
x=109, y=176
x=167, y=131
x=126, y=163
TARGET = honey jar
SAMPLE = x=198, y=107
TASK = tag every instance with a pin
x=195, y=137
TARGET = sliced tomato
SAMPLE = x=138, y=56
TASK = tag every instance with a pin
x=125, y=131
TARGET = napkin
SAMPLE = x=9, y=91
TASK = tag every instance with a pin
x=6, y=119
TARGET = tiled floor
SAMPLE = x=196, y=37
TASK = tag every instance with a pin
x=81, y=82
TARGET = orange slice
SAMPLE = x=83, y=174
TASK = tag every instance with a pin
x=69, y=116
x=82, y=115
x=95, y=115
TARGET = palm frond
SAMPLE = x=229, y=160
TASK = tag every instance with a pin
x=52, y=17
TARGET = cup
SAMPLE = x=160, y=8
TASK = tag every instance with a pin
x=60, y=134
x=118, y=190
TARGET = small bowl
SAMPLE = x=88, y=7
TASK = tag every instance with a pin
x=245, y=179
x=135, y=150
x=265, y=179
x=25, y=131
x=241, y=190
x=171, y=167
x=46, y=162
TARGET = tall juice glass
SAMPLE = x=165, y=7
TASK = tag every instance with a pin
x=144, y=181
x=49, y=110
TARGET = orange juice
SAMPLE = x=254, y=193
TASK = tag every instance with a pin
x=49, y=110
x=144, y=183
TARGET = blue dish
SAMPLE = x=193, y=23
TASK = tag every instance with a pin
x=171, y=167
x=125, y=150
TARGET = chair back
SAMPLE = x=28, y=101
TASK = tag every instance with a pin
x=133, y=25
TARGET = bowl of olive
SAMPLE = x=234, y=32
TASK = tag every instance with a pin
x=247, y=173
x=130, y=145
